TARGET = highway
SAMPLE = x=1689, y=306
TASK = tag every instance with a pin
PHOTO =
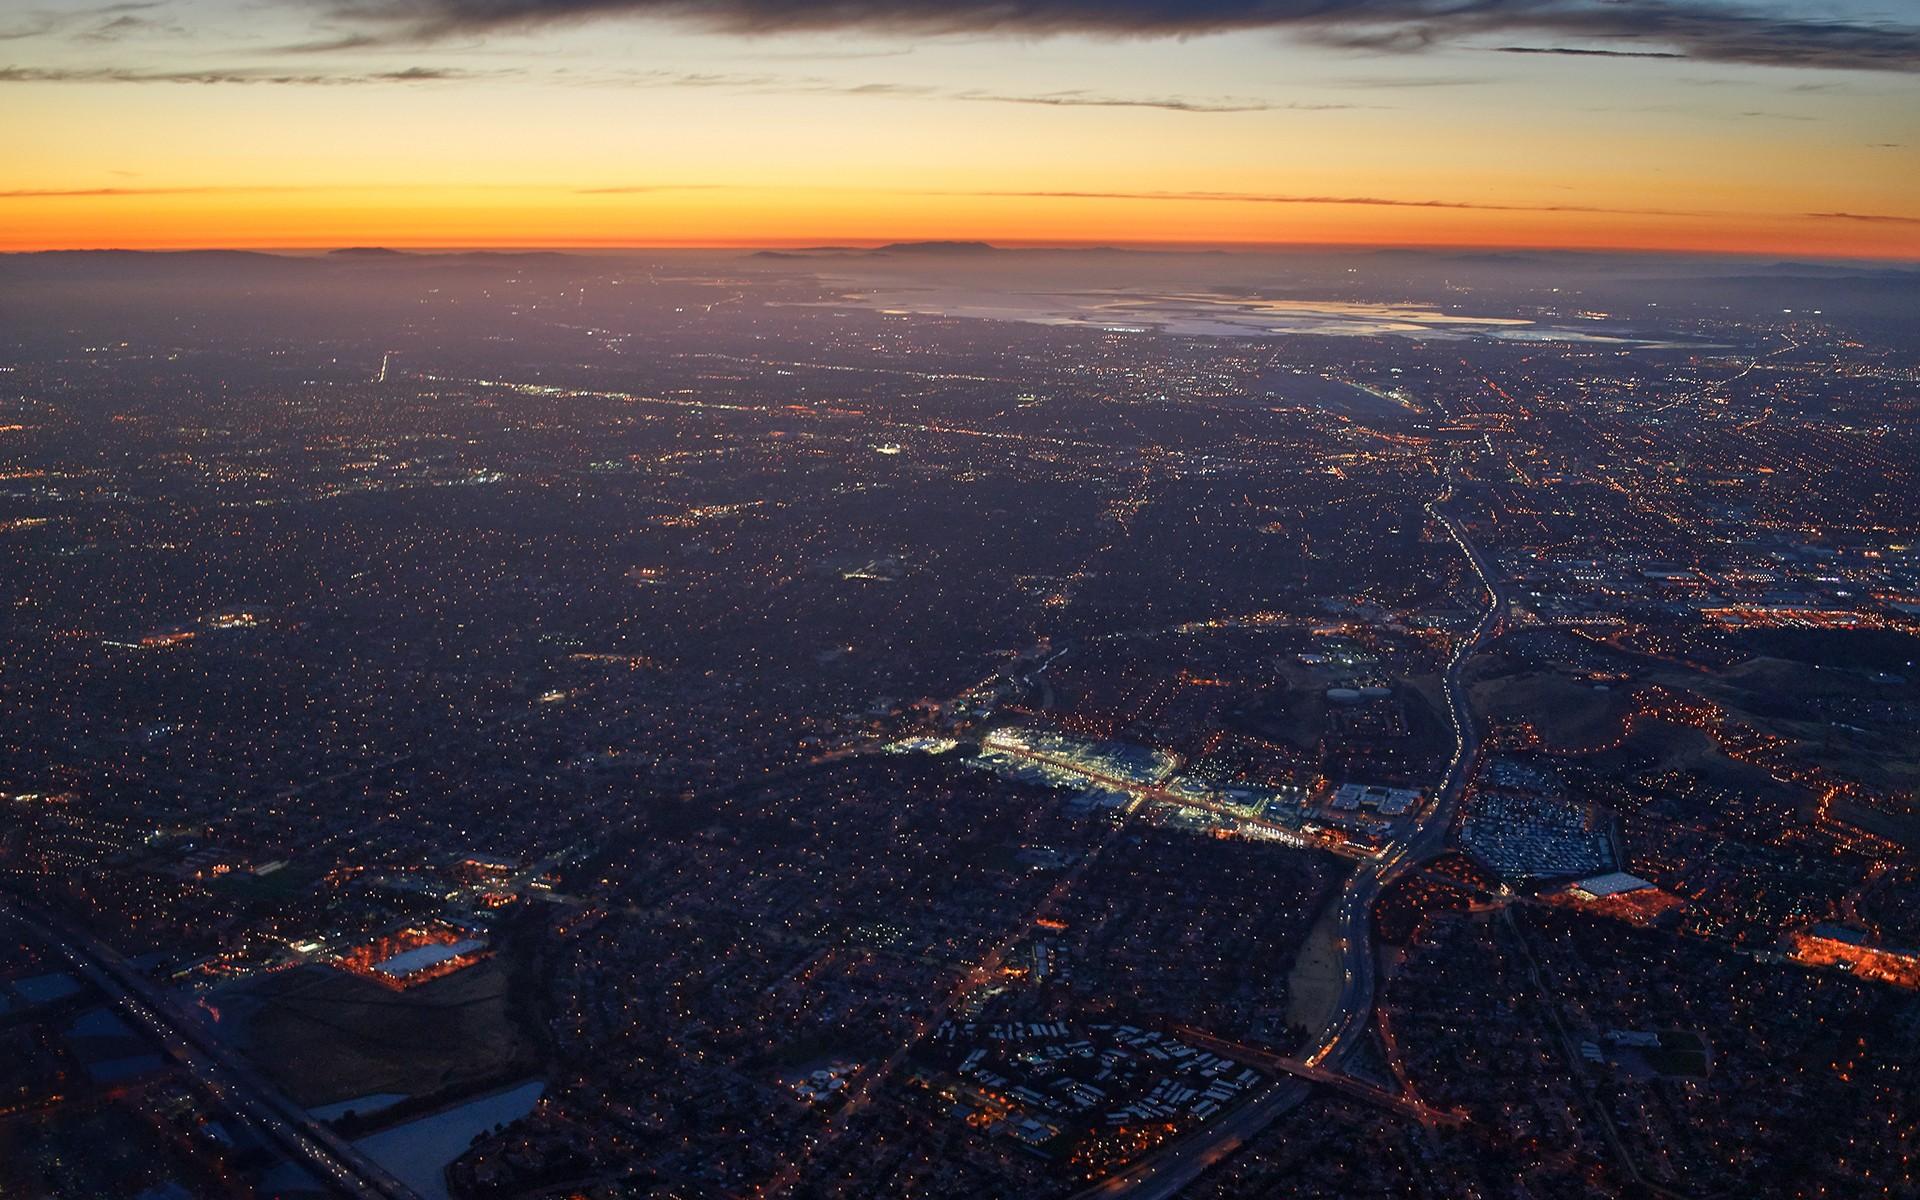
x=1167, y=1172
x=236, y=1086
x=1371, y=1093
x=1164, y=1175
x=1423, y=838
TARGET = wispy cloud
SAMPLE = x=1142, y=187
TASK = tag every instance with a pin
x=642, y=189
x=121, y=192
x=65, y=193
x=1586, y=52
x=39, y=22
x=240, y=75
x=1398, y=82
x=1757, y=33
x=1077, y=99
x=1070, y=98
x=1876, y=218
x=112, y=192
x=755, y=83
x=1361, y=201
x=126, y=25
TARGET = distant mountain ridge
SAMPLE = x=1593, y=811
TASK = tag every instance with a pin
x=937, y=248
x=934, y=248
x=260, y=266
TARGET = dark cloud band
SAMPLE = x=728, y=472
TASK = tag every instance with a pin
x=1760, y=33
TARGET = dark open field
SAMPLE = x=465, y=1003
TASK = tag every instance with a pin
x=325, y=1036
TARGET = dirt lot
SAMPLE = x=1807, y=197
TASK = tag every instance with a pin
x=1570, y=714
x=1313, y=988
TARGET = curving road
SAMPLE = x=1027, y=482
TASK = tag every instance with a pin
x=1426, y=836
x=1164, y=1175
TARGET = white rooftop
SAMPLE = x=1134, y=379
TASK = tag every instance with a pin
x=1613, y=883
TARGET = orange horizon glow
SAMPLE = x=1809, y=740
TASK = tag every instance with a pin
x=494, y=218
x=656, y=134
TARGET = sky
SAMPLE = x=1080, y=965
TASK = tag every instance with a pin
x=1759, y=126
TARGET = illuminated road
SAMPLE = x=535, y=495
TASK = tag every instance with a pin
x=980, y=974
x=236, y=1086
x=1166, y=1173
x=1259, y=1056
x=1420, y=840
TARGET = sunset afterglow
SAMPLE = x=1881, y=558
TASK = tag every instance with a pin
x=197, y=123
